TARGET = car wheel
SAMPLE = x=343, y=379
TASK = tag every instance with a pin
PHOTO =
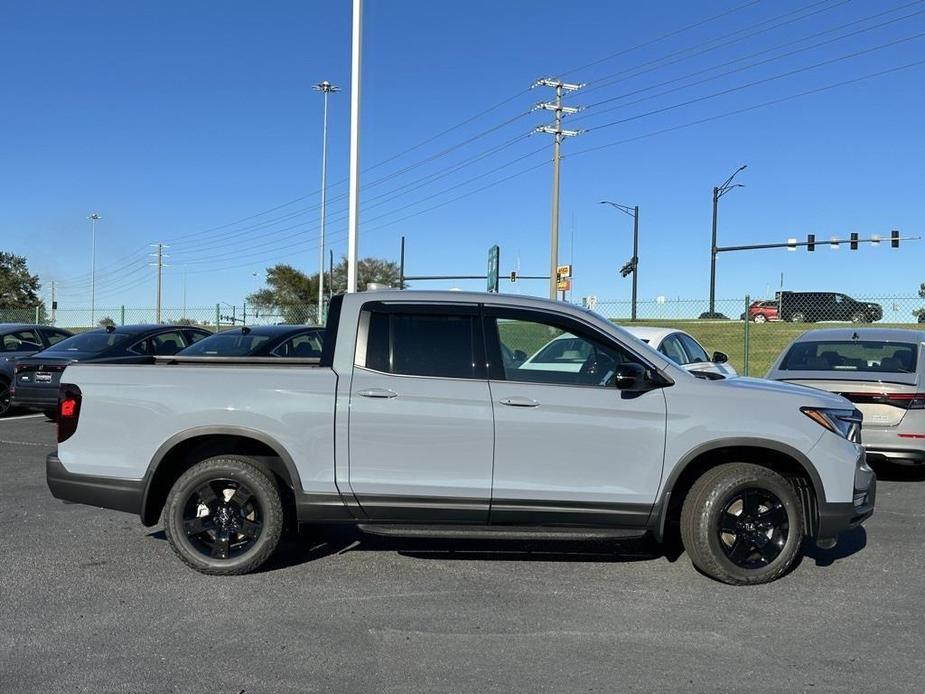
x=5, y=397
x=859, y=317
x=50, y=415
x=224, y=516
x=742, y=524
x=760, y=318
x=798, y=317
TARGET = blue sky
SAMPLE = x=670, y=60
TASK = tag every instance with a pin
x=174, y=120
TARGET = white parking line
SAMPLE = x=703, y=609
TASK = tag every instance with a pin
x=22, y=416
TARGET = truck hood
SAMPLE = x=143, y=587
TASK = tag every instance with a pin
x=808, y=396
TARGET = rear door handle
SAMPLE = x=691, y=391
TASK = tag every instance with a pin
x=519, y=401
x=378, y=393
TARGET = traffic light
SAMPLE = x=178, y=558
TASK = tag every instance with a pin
x=810, y=242
x=627, y=268
x=894, y=239
x=513, y=275
x=854, y=241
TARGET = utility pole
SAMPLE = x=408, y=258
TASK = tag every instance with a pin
x=718, y=192
x=159, y=255
x=94, y=218
x=633, y=265
x=54, y=302
x=558, y=133
x=353, y=213
x=325, y=88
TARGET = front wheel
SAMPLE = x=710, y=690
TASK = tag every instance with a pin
x=224, y=516
x=859, y=317
x=760, y=318
x=742, y=524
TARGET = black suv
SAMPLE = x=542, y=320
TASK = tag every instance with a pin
x=809, y=307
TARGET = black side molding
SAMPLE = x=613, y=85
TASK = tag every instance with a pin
x=105, y=492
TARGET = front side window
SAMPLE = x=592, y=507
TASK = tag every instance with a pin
x=55, y=336
x=545, y=350
x=166, y=344
x=695, y=352
x=422, y=343
x=852, y=355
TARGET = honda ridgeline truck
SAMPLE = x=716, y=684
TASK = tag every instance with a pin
x=419, y=420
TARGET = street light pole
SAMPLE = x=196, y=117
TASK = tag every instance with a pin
x=718, y=192
x=633, y=264
x=353, y=212
x=94, y=218
x=325, y=88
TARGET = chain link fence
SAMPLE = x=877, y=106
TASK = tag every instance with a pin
x=753, y=344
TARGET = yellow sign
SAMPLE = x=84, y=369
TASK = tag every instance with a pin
x=564, y=285
x=563, y=271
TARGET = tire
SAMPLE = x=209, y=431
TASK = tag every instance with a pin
x=798, y=317
x=5, y=397
x=760, y=318
x=50, y=415
x=763, y=518
x=859, y=317
x=218, y=533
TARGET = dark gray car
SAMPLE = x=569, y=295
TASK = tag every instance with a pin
x=19, y=340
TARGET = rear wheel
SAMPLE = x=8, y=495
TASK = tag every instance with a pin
x=798, y=317
x=742, y=524
x=224, y=516
x=5, y=397
x=760, y=318
x=859, y=317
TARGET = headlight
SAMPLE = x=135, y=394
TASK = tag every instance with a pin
x=845, y=423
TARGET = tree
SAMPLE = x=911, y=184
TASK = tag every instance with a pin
x=293, y=294
x=106, y=322
x=920, y=312
x=18, y=287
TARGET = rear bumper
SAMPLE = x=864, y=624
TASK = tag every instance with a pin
x=105, y=492
x=897, y=456
x=35, y=398
x=835, y=518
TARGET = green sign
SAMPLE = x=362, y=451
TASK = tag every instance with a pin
x=494, y=262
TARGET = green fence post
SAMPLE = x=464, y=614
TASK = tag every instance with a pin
x=218, y=316
x=747, y=321
x=122, y=315
x=36, y=315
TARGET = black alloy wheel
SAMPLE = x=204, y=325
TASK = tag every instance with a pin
x=753, y=528
x=222, y=519
x=5, y=398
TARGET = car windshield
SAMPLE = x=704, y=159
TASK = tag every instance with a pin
x=90, y=342
x=563, y=350
x=852, y=355
x=227, y=344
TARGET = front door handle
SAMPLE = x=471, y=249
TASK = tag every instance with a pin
x=519, y=401
x=378, y=393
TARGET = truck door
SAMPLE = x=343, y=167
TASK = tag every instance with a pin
x=570, y=448
x=420, y=418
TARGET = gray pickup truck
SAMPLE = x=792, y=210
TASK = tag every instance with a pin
x=420, y=419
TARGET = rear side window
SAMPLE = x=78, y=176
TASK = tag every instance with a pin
x=423, y=344
x=852, y=355
x=55, y=336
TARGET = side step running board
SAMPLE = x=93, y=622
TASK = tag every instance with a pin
x=499, y=532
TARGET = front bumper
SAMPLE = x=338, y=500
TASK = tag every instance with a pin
x=835, y=518
x=106, y=492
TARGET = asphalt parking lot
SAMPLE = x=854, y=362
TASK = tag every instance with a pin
x=94, y=602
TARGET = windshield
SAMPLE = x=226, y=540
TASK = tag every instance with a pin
x=852, y=355
x=228, y=344
x=89, y=343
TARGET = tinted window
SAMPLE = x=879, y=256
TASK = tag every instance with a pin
x=422, y=344
x=21, y=341
x=671, y=348
x=305, y=346
x=55, y=336
x=695, y=352
x=194, y=336
x=229, y=344
x=91, y=342
x=852, y=355
x=542, y=351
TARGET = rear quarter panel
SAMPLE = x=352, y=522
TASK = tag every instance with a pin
x=129, y=412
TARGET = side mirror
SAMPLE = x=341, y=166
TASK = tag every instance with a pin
x=720, y=357
x=629, y=377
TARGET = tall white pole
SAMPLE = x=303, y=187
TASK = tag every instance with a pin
x=94, y=217
x=325, y=87
x=354, y=211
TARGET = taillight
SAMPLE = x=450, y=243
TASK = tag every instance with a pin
x=907, y=401
x=69, y=398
